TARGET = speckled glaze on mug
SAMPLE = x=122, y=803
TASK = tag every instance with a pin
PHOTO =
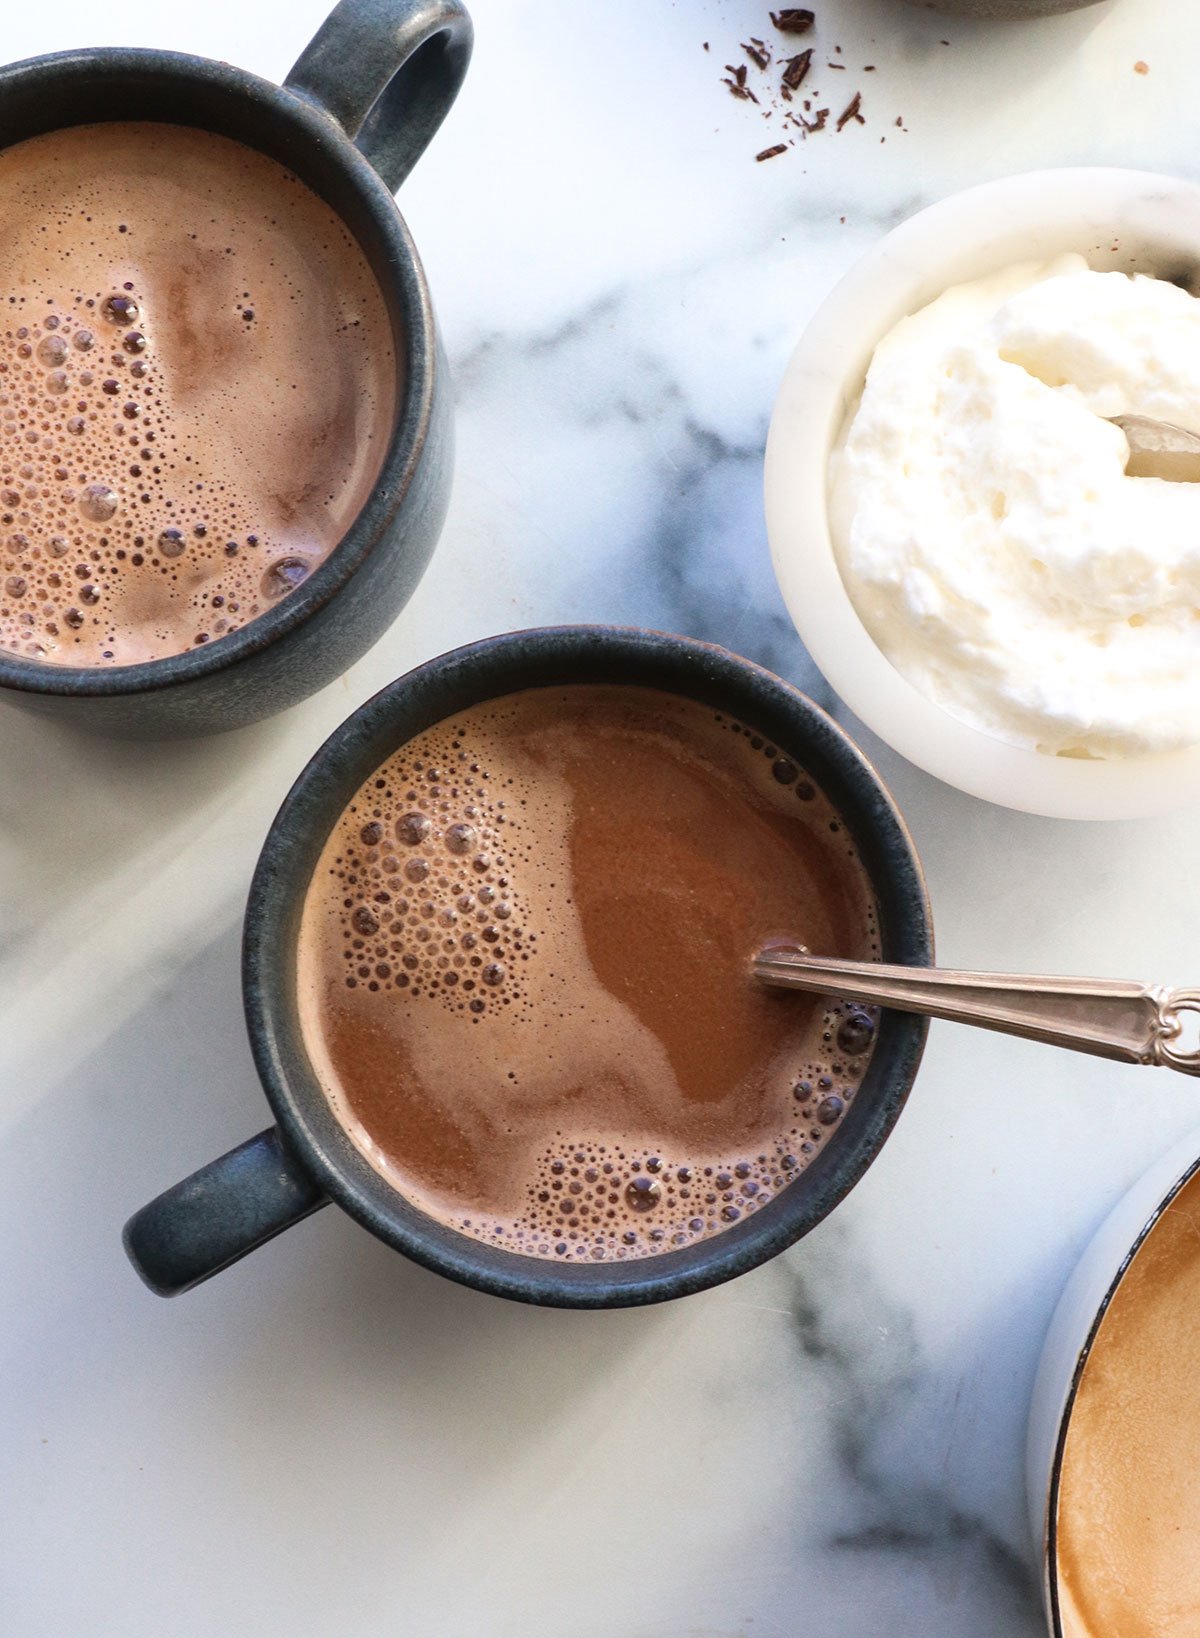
x=223, y=1211
x=351, y=120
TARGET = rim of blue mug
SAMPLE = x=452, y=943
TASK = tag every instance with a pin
x=492, y=668
x=414, y=337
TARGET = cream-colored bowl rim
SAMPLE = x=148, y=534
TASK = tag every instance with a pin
x=1133, y=220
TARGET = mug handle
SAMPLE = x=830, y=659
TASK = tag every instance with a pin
x=387, y=71
x=218, y=1214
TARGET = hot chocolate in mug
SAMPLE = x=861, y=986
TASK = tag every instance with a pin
x=220, y=315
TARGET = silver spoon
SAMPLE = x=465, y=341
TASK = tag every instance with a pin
x=1159, y=449
x=1134, y=1023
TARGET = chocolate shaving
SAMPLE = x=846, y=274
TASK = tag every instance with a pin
x=796, y=70
x=793, y=20
x=851, y=111
x=782, y=98
x=737, y=85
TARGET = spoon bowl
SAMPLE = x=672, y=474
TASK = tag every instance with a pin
x=1159, y=449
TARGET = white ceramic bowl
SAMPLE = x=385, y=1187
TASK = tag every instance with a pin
x=1073, y=1329
x=1131, y=220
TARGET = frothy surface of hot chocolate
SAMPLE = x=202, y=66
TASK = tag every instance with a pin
x=197, y=387
x=1129, y=1499
x=524, y=971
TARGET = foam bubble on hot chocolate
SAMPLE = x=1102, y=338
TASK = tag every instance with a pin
x=191, y=367
x=70, y=536
x=427, y=869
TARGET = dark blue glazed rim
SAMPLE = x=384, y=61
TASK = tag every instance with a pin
x=84, y=87
x=549, y=658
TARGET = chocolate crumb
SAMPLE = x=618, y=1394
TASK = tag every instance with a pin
x=742, y=91
x=796, y=69
x=776, y=97
x=737, y=85
x=793, y=20
x=851, y=111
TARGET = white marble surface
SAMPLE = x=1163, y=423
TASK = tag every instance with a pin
x=326, y=1439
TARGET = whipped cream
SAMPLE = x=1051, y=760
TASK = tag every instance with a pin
x=986, y=530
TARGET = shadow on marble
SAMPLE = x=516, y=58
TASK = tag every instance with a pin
x=75, y=807
x=172, y=1087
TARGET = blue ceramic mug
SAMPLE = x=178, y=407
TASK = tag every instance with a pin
x=232, y=1205
x=351, y=120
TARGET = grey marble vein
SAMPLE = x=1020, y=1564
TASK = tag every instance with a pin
x=891, y=1506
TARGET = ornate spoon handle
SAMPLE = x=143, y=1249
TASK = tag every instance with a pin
x=1134, y=1023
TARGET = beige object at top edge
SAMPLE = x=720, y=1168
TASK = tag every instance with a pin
x=1131, y=220
x=1010, y=10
